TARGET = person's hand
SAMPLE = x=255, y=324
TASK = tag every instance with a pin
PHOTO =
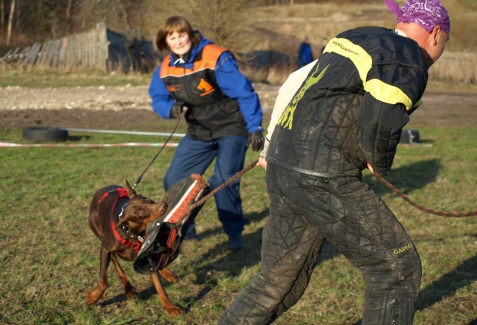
x=256, y=140
x=370, y=168
x=262, y=162
x=177, y=109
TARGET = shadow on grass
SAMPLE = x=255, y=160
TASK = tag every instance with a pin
x=448, y=284
x=233, y=262
x=78, y=138
x=407, y=178
x=119, y=298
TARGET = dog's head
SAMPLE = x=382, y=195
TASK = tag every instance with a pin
x=139, y=211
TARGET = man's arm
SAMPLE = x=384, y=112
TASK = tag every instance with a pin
x=285, y=95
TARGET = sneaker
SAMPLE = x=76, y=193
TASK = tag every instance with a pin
x=235, y=242
x=191, y=233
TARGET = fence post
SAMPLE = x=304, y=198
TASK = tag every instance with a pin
x=102, y=47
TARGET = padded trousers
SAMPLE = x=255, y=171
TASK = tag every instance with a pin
x=304, y=211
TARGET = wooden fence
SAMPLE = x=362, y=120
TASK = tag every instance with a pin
x=99, y=48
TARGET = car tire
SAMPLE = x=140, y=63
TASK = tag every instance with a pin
x=44, y=134
x=409, y=137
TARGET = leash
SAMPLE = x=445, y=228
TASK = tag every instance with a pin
x=226, y=183
x=153, y=159
x=379, y=177
x=422, y=208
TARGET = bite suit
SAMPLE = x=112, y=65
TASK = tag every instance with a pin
x=348, y=112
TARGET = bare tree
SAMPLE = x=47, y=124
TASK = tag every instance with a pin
x=18, y=10
x=10, y=22
x=125, y=14
x=2, y=13
x=225, y=22
x=69, y=7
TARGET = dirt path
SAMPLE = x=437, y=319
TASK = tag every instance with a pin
x=129, y=108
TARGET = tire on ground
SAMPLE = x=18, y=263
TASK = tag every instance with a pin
x=44, y=134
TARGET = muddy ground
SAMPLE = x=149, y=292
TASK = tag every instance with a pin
x=128, y=108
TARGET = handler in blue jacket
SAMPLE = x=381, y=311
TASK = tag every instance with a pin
x=305, y=53
x=223, y=115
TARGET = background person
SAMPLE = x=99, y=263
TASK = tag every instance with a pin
x=324, y=42
x=224, y=115
x=305, y=53
x=328, y=133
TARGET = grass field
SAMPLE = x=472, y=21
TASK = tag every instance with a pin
x=50, y=258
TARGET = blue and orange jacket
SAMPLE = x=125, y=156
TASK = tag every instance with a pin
x=220, y=99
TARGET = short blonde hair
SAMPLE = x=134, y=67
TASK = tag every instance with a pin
x=177, y=24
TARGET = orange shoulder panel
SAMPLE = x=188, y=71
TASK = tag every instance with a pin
x=210, y=55
x=165, y=66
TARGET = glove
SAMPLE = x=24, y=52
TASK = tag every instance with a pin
x=256, y=140
x=177, y=109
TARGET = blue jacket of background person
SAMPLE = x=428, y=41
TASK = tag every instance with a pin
x=305, y=54
x=233, y=108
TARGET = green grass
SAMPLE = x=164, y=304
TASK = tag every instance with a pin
x=49, y=78
x=49, y=258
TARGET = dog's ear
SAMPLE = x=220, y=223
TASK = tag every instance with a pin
x=131, y=191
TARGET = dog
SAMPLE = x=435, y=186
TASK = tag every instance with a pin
x=119, y=218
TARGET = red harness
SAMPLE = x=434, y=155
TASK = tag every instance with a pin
x=122, y=193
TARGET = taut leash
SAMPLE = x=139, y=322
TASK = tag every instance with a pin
x=226, y=183
x=379, y=177
x=422, y=208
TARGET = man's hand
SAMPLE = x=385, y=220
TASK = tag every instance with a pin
x=262, y=162
x=370, y=168
x=256, y=140
x=177, y=109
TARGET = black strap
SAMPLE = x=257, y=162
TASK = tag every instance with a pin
x=153, y=159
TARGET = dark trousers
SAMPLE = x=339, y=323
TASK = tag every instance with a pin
x=304, y=211
x=194, y=157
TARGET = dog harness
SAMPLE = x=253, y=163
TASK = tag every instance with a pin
x=136, y=246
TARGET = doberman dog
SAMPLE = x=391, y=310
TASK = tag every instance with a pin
x=119, y=217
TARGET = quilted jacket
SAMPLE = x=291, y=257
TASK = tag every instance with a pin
x=351, y=108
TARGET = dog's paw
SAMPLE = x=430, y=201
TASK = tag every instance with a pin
x=95, y=294
x=130, y=291
x=174, y=311
x=91, y=299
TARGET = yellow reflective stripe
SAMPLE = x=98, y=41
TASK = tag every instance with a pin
x=387, y=93
x=363, y=62
x=360, y=58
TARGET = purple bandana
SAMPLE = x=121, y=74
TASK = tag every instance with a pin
x=427, y=13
